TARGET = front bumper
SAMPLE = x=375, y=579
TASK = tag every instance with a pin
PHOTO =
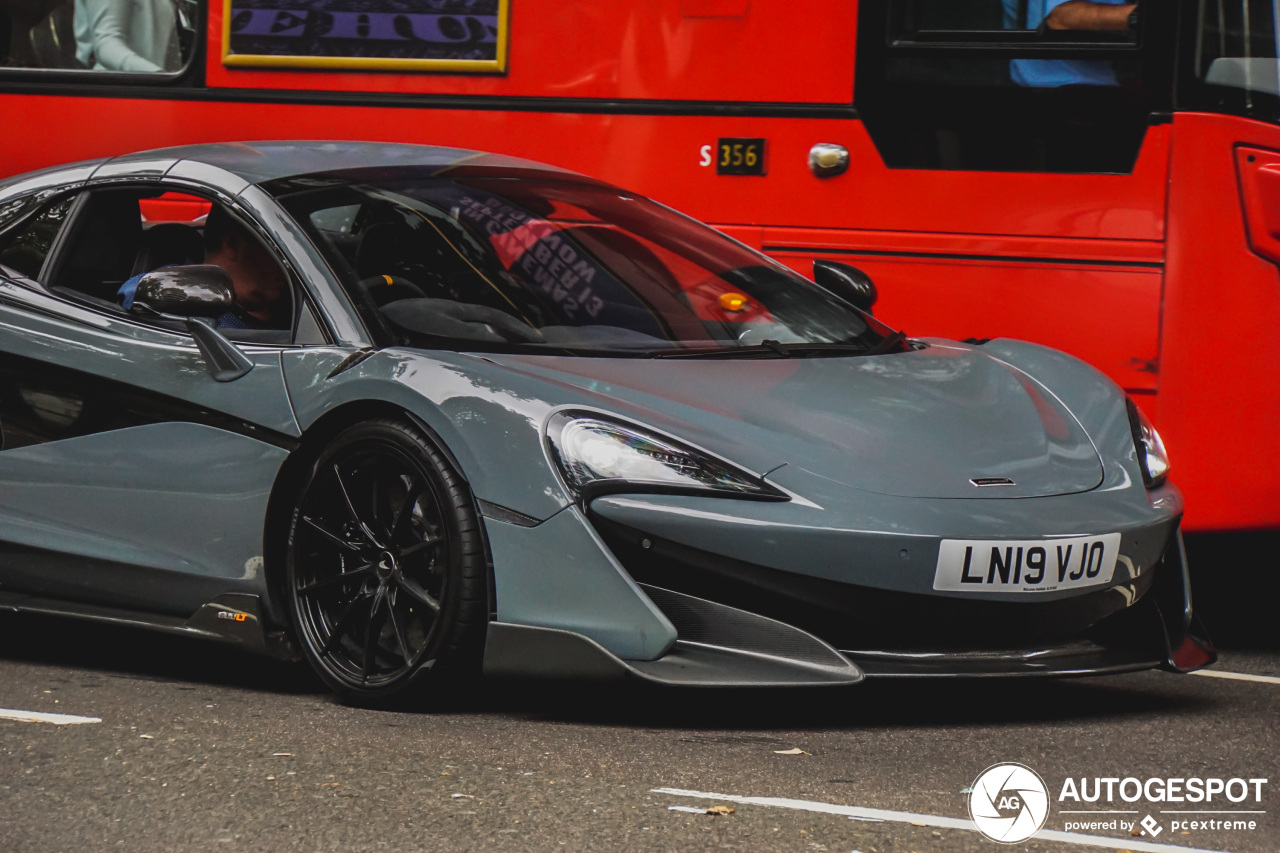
x=1142, y=623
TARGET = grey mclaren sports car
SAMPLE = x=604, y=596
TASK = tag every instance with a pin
x=408, y=412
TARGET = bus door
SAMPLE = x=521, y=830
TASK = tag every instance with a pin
x=1113, y=192
x=1219, y=382
x=1018, y=177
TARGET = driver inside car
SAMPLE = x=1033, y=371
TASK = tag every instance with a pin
x=257, y=280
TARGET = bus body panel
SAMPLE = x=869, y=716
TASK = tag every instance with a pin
x=1219, y=406
x=1077, y=217
x=1106, y=315
x=1068, y=260
x=1123, y=270
x=625, y=49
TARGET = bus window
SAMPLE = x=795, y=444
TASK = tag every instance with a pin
x=150, y=37
x=1235, y=59
x=1073, y=19
x=999, y=85
x=942, y=16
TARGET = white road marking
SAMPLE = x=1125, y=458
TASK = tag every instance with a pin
x=41, y=717
x=1238, y=676
x=932, y=820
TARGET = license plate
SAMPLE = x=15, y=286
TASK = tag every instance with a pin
x=1026, y=565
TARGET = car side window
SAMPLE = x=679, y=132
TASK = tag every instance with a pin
x=119, y=234
x=99, y=251
x=25, y=245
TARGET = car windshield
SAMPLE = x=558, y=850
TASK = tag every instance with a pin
x=489, y=259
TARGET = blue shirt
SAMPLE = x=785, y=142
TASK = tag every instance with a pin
x=1049, y=73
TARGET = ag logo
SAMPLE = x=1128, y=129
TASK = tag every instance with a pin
x=1009, y=803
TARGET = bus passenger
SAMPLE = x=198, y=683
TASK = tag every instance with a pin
x=127, y=35
x=1089, y=15
x=1065, y=15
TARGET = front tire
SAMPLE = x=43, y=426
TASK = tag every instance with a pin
x=385, y=572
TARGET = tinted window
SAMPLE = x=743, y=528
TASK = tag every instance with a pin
x=1235, y=67
x=120, y=234
x=952, y=15
x=129, y=36
x=25, y=246
x=480, y=261
x=16, y=208
x=1017, y=18
x=1010, y=85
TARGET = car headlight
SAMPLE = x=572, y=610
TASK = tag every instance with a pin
x=597, y=455
x=1152, y=457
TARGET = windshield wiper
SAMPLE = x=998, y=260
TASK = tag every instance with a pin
x=776, y=347
x=889, y=343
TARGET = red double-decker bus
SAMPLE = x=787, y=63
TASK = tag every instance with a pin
x=1112, y=192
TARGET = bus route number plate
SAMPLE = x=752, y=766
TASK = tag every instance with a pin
x=740, y=157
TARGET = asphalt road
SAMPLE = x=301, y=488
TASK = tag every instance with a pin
x=201, y=747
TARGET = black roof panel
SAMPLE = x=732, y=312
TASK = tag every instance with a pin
x=258, y=162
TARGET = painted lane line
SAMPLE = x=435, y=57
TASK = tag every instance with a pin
x=931, y=820
x=41, y=717
x=1238, y=676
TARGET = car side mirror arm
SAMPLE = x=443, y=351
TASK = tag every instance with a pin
x=194, y=295
x=225, y=360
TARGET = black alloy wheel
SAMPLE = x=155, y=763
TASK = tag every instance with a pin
x=385, y=569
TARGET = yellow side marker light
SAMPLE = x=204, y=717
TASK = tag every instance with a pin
x=388, y=279
x=733, y=301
